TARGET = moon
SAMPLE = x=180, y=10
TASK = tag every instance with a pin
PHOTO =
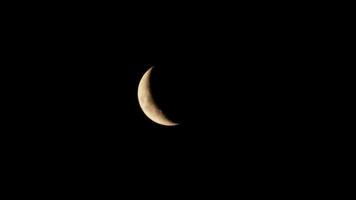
x=147, y=103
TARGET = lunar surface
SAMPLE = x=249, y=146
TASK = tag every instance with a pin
x=147, y=103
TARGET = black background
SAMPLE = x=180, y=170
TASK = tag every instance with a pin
x=229, y=77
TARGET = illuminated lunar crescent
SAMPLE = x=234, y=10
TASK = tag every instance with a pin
x=147, y=103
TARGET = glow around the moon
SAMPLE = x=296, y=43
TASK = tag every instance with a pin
x=147, y=103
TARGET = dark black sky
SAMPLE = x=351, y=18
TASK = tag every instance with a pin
x=228, y=79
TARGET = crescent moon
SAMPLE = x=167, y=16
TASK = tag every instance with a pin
x=147, y=103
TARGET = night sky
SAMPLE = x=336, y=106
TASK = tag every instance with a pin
x=230, y=81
